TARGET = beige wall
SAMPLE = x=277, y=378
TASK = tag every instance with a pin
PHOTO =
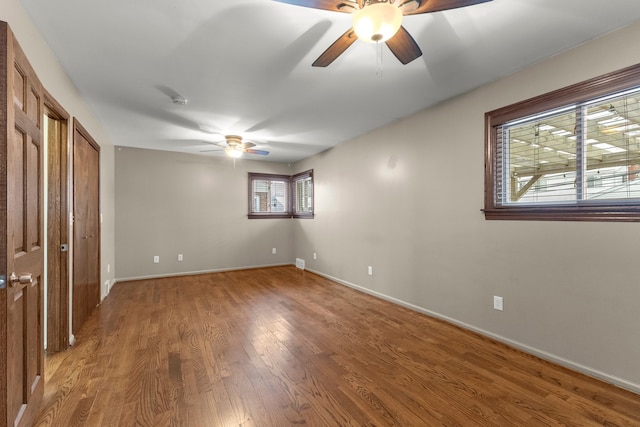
x=57, y=82
x=406, y=200
x=170, y=203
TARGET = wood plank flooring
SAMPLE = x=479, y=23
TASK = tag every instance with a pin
x=283, y=347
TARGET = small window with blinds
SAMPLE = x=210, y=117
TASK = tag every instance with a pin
x=281, y=196
x=573, y=154
x=302, y=185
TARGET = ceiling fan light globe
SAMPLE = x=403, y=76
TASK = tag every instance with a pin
x=377, y=22
x=232, y=152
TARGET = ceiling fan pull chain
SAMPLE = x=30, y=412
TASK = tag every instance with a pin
x=379, y=59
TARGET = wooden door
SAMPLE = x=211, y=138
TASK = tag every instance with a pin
x=86, y=226
x=21, y=226
x=56, y=138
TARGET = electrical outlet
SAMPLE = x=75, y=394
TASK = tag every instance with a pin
x=156, y=259
x=273, y=251
x=370, y=270
x=180, y=258
x=498, y=303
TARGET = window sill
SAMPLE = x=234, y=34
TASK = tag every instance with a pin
x=577, y=213
x=307, y=216
x=264, y=216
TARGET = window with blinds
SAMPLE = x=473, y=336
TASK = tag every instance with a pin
x=270, y=196
x=571, y=154
x=302, y=184
x=281, y=196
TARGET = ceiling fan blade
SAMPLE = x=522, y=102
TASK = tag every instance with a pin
x=261, y=152
x=333, y=5
x=246, y=145
x=403, y=46
x=407, y=6
x=428, y=6
x=336, y=49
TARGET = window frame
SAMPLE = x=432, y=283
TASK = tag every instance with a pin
x=294, y=194
x=611, y=210
x=291, y=195
x=269, y=177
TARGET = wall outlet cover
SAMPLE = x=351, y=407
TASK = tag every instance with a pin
x=498, y=303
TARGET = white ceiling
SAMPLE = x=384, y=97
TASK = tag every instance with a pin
x=245, y=65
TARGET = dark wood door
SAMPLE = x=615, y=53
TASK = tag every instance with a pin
x=86, y=226
x=57, y=301
x=22, y=234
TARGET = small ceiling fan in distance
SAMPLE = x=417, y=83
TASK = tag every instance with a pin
x=376, y=21
x=234, y=147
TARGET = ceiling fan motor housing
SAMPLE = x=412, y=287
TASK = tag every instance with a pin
x=233, y=140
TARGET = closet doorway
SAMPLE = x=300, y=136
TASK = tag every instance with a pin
x=56, y=131
x=86, y=225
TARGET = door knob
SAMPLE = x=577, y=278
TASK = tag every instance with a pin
x=23, y=279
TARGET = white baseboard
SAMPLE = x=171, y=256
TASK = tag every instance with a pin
x=620, y=382
x=193, y=273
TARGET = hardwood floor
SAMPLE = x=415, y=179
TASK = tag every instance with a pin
x=282, y=347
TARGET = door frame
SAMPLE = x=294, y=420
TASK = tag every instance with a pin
x=58, y=180
x=3, y=220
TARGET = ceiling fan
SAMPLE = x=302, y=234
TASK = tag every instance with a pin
x=376, y=21
x=234, y=147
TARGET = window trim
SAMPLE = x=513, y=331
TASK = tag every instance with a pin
x=268, y=177
x=291, y=180
x=581, y=92
x=294, y=194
